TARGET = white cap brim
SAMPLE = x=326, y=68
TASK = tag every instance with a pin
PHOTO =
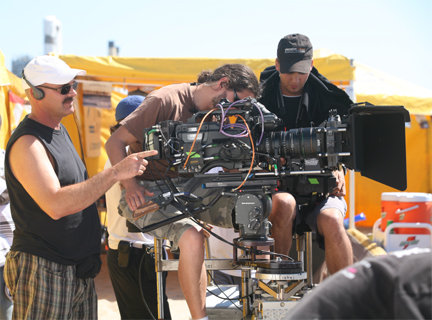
x=47, y=69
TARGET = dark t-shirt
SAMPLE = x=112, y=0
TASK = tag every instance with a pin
x=68, y=240
x=292, y=106
x=396, y=286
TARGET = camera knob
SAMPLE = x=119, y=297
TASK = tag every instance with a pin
x=255, y=212
x=253, y=224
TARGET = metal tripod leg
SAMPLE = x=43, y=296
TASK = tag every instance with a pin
x=309, y=269
x=162, y=265
x=304, y=243
x=159, y=276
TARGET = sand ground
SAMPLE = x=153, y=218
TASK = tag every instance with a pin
x=107, y=305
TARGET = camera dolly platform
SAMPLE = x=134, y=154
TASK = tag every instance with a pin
x=273, y=292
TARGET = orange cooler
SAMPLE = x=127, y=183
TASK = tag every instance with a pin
x=406, y=207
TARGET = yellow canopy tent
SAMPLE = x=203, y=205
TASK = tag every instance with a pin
x=4, y=103
x=379, y=88
x=12, y=103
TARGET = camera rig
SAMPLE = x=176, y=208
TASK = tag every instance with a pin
x=241, y=137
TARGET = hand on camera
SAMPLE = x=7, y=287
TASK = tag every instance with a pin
x=340, y=190
x=135, y=193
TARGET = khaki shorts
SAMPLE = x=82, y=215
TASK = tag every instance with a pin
x=311, y=218
x=220, y=214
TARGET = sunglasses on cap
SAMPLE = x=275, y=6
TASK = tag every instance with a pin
x=65, y=89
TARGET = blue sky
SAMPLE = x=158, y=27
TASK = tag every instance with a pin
x=394, y=36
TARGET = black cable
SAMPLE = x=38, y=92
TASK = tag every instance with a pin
x=257, y=252
x=156, y=180
x=239, y=298
x=162, y=177
x=227, y=298
x=250, y=250
x=226, y=151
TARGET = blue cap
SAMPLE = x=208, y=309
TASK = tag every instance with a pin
x=127, y=105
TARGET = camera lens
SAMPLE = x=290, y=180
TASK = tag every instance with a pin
x=295, y=143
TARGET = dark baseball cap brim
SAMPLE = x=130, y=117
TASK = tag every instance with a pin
x=302, y=66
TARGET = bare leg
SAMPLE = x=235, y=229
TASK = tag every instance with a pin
x=192, y=273
x=338, y=250
x=282, y=217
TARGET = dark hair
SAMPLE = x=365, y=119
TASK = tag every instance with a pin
x=115, y=127
x=240, y=77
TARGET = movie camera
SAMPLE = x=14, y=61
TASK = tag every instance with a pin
x=241, y=137
x=244, y=138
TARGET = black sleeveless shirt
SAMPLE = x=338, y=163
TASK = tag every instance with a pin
x=68, y=240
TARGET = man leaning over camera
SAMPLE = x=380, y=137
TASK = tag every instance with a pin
x=179, y=102
x=300, y=96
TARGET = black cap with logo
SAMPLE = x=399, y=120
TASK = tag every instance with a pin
x=295, y=54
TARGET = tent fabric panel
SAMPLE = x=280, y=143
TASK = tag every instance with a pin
x=4, y=107
x=154, y=70
x=4, y=77
x=415, y=105
x=94, y=164
x=176, y=70
x=16, y=85
x=375, y=82
x=335, y=67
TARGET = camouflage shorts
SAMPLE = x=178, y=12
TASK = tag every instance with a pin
x=218, y=215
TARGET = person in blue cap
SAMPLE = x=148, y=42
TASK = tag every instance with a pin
x=127, y=249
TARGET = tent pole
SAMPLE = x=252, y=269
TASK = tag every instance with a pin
x=350, y=91
x=351, y=199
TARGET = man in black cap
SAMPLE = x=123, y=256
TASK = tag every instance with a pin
x=300, y=96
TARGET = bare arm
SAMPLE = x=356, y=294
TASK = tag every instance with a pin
x=31, y=165
x=116, y=150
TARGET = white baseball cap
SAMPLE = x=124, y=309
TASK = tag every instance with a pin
x=49, y=69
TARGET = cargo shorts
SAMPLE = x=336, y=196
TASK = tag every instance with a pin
x=311, y=218
x=220, y=214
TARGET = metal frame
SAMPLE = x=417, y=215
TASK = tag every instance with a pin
x=304, y=243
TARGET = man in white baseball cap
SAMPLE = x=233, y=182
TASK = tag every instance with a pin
x=48, y=69
x=55, y=252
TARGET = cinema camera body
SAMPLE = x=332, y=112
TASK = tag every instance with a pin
x=241, y=137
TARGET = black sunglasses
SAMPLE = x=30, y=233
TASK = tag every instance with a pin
x=64, y=90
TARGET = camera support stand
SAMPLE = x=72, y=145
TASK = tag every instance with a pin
x=281, y=283
x=162, y=265
x=279, y=298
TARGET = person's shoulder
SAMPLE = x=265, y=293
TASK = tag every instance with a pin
x=166, y=95
x=28, y=145
x=28, y=140
x=170, y=90
x=268, y=73
x=26, y=129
